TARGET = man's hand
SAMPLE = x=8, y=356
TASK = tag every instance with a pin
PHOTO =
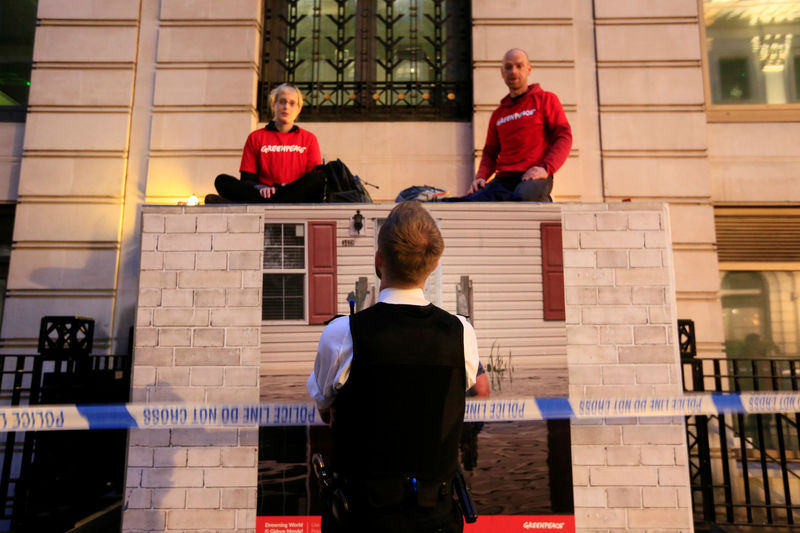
x=535, y=173
x=266, y=192
x=477, y=184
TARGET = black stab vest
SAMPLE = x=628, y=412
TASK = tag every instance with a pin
x=401, y=410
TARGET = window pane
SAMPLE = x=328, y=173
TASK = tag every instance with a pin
x=17, y=26
x=398, y=60
x=752, y=51
x=283, y=297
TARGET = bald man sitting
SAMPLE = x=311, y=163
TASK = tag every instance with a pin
x=529, y=139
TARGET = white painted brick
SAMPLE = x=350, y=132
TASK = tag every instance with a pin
x=157, y=280
x=245, y=518
x=594, y=435
x=243, y=316
x=653, y=434
x=252, y=279
x=572, y=315
x=238, y=498
x=609, y=239
x=579, y=296
x=209, y=279
x=138, y=498
x=245, y=260
x=143, y=376
x=204, y=376
x=149, y=242
x=655, y=239
x=140, y=456
x=213, y=223
x=579, y=259
x=589, y=497
x=153, y=356
x=645, y=258
x=649, y=334
x=612, y=221
x=648, y=295
x=659, y=314
x=170, y=457
x=172, y=477
x=228, y=394
x=583, y=354
x=649, y=221
x=209, y=297
x=248, y=437
x=598, y=519
x=243, y=298
x=152, y=261
x=180, y=223
x=642, y=276
x=241, y=377
x=582, y=335
x=618, y=375
x=681, y=456
x=659, y=497
x=623, y=456
x=570, y=240
x=239, y=457
x=242, y=336
x=673, y=476
x=238, y=241
x=250, y=356
x=204, y=457
x=684, y=497
x=580, y=475
x=148, y=437
x=624, y=497
x=176, y=298
x=614, y=295
x=616, y=335
x=204, y=437
x=201, y=519
x=582, y=375
x=184, y=242
x=610, y=476
x=583, y=277
x=202, y=498
x=658, y=518
x=173, y=376
x=212, y=261
x=149, y=298
x=648, y=354
x=144, y=317
x=653, y=374
x=146, y=337
x=579, y=221
x=658, y=455
x=246, y=224
x=589, y=455
x=180, y=317
x=171, y=393
x=175, y=337
x=230, y=477
x=619, y=390
x=614, y=315
x=206, y=356
x=612, y=258
x=152, y=223
x=179, y=260
x=143, y=520
x=134, y=478
x=208, y=337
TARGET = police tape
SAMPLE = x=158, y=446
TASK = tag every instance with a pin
x=188, y=415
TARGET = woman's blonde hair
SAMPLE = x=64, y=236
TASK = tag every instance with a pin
x=274, y=93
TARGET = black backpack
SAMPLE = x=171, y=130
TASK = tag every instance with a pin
x=341, y=185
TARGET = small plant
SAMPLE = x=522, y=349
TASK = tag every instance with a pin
x=499, y=366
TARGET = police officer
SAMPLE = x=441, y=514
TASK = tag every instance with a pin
x=391, y=381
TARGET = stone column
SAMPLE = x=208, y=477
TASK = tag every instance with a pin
x=629, y=474
x=196, y=340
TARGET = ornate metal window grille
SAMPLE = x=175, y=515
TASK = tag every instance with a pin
x=370, y=59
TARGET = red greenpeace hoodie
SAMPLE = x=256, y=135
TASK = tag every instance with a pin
x=529, y=130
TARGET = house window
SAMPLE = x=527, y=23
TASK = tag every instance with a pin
x=368, y=60
x=290, y=284
x=17, y=27
x=752, y=49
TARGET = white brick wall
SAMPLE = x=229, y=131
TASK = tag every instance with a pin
x=628, y=474
x=196, y=340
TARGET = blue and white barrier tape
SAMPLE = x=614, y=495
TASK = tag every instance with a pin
x=185, y=415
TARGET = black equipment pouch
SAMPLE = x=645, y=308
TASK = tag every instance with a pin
x=331, y=495
x=465, y=502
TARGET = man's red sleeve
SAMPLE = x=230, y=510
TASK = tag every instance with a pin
x=491, y=149
x=559, y=133
x=249, y=156
x=314, y=157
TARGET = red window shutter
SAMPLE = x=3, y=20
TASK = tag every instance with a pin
x=321, y=271
x=552, y=271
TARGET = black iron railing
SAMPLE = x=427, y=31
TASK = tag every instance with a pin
x=744, y=469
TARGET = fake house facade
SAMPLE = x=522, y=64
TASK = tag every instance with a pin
x=688, y=102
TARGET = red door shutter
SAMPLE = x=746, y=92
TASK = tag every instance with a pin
x=552, y=271
x=321, y=271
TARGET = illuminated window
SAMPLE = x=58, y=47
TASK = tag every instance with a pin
x=368, y=60
x=17, y=26
x=753, y=48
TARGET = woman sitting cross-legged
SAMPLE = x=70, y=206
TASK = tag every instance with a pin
x=277, y=161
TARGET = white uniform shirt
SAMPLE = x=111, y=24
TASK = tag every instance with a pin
x=335, y=351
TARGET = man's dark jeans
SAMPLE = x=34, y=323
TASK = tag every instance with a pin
x=511, y=188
